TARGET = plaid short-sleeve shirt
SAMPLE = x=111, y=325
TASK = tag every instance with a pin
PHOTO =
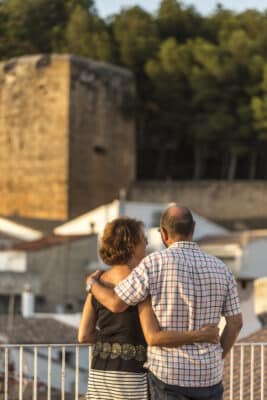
x=189, y=289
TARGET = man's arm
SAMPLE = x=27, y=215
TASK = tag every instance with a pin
x=131, y=290
x=232, y=313
x=105, y=294
x=231, y=331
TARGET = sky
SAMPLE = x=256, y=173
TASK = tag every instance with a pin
x=108, y=7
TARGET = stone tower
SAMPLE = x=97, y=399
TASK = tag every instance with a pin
x=67, y=135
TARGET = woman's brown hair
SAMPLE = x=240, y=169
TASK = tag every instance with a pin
x=119, y=240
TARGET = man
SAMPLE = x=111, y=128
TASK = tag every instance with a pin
x=188, y=289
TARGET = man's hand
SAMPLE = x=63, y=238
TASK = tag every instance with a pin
x=91, y=279
x=104, y=294
x=209, y=334
x=94, y=275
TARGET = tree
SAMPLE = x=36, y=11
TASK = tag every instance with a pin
x=33, y=26
x=259, y=110
x=170, y=104
x=87, y=36
x=242, y=69
x=39, y=26
x=201, y=81
x=136, y=33
x=4, y=45
x=178, y=22
x=87, y=5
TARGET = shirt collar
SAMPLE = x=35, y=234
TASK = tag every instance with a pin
x=185, y=245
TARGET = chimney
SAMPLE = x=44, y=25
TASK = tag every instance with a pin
x=27, y=302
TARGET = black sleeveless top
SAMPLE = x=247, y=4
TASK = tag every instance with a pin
x=114, y=330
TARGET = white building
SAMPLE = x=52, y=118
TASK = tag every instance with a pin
x=245, y=253
x=55, y=267
x=95, y=221
x=13, y=232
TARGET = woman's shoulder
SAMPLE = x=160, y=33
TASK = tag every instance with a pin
x=115, y=274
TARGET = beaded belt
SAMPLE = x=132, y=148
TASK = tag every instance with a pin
x=126, y=351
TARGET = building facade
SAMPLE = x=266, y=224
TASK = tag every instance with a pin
x=63, y=123
x=53, y=268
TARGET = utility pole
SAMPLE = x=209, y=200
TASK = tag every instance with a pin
x=11, y=310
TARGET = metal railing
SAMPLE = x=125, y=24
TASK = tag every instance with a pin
x=245, y=375
x=39, y=372
x=60, y=372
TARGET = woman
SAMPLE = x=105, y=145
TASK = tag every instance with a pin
x=117, y=370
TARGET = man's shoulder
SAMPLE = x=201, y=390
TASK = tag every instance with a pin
x=155, y=256
x=214, y=260
x=211, y=257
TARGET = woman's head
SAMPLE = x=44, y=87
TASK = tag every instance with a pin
x=123, y=239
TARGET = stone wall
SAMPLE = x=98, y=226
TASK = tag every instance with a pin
x=102, y=133
x=67, y=145
x=34, y=137
x=67, y=135
x=218, y=200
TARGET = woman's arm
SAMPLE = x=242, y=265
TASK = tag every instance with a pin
x=87, y=327
x=156, y=337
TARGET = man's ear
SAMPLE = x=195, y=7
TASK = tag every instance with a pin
x=193, y=228
x=164, y=234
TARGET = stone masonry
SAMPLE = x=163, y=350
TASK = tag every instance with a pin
x=67, y=135
x=218, y=200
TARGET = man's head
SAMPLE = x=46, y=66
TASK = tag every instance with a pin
x=176, y=224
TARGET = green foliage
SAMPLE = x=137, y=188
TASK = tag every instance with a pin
x=87, y=5
x=201, y=81
x=44, y=26
x=33, y=26
x=217, y=80
x=178, y=22
x=259, y=109
x=87, y=36
x=135, y=31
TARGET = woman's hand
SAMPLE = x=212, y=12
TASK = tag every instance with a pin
x=157, y=337
x=209, y=334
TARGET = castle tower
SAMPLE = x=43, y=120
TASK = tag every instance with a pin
x=67, y=135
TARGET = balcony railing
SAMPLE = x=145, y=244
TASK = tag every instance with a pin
x=60, y=372
x=245, y=372
x=39, y=372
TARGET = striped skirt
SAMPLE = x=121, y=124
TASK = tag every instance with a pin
x=117, y=385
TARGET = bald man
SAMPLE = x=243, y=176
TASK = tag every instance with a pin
x=188, y=289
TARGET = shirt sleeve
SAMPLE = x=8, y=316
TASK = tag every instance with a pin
x=135, y=288
x=231, y=304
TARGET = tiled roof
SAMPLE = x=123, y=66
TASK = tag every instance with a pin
x=257, y=339
x=44, y=225
x=241, y=224
x=47, y=241
x=259, y=336
x=37, y=331
x=239, y=238
x=18, y=231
